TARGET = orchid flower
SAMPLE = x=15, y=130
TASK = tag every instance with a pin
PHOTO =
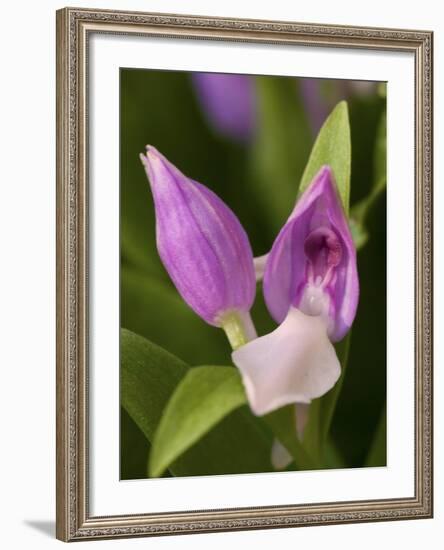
x=311, y=288
x=203, y=247
x=228, y=100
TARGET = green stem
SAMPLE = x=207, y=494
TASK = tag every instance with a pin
x=238, y=327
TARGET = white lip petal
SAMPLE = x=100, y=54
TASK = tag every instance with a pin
x=293, y=364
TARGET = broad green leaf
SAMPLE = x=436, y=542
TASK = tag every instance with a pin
x=149, y=376
x=281, y=147
x=283, y=424
x=202, y=399
x=377, y=455
x=134, y=448
x=322, y=409
x=332, y=147
x=154, y=309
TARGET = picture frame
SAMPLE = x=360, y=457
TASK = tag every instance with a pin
x=76, y=467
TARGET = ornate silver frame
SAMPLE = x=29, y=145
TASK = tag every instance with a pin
x=74, y=521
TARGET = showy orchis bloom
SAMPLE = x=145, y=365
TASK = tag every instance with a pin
x=203, y=247
x=228, y=100
x=312, y=264
x=311, y=287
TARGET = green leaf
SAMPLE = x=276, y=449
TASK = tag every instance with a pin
x=380, y=155
x=377, y=455
x=322, y=409
x=332, y=457
x=149, y=375
x=283, y=424
x=312, y=438
x=202, y=399
x=281, y=147
x=333, y=147
x=359, y=232
x=134, y=448
x=152, y=308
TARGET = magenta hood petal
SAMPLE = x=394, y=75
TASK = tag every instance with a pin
x=201, y=243
x=312, y=264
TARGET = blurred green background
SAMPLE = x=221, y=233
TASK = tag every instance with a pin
x=258, y=179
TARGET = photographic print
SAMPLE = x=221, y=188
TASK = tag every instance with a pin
x=244, y=274
x=252, y=274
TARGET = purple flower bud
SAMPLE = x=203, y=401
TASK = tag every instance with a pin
x=201, y=243
x=229, y=103
x=311, y=288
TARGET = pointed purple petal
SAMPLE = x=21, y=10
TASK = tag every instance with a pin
x=200, y=242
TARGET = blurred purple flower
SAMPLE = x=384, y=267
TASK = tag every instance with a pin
x=316, y=107
x=228, y=101
x=320, y=96
x=311, y=288
x=201, y=243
